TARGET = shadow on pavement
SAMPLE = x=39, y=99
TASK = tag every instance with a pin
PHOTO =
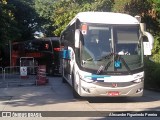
x=57, y=92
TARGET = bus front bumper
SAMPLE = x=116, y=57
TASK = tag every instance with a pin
x=90, y=89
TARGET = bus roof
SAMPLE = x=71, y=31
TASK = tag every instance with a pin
x=105, y=18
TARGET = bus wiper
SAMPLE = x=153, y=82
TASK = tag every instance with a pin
x=125, y=64
x=102, y=68
x=106, y=57
x=108, y=64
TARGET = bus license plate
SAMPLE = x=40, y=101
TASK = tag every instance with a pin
x=113, y=93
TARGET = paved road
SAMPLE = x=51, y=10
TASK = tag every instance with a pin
x=57, y=96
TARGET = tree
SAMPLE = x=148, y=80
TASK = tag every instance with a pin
x=45, y=9
x=65, y=10
x=156, y=15
x=7, y=23
x=25, y=16
x=144, y=8
x=119, y=5
x=8, y=29
x=156, y=50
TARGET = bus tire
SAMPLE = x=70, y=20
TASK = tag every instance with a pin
x=75, y=94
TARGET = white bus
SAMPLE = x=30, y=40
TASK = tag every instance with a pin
x=103, y=54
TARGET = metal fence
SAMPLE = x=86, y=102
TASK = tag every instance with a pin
x=18, y=76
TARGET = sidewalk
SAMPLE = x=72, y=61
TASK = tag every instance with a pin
x=55, y=96
x=37, y=98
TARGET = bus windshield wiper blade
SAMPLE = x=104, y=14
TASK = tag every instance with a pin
x=106, y=57
x=101, y=68
x=125, y=64
x=108, y=64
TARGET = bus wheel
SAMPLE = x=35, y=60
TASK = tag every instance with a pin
x=74, y=88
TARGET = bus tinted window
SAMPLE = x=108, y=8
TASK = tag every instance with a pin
x=38, y=46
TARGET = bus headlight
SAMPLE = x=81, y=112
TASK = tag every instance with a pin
x=88, y=80
x=138, y=80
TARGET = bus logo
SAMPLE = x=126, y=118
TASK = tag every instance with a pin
x=114, y=85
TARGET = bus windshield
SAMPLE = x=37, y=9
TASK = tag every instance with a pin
x=104, y=45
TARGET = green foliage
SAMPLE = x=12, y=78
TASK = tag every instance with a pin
x=156, y=5
x=8, y=24
x=138, y=7
x=132, y=7
x=65, y=10
x=156, y=50
x=45, y=10
x=156, y=76
x=25, y=16
x=152, y=76
x=119, y=5
x=152, y=68
x=156, y=16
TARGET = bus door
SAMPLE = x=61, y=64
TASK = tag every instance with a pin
x=66, y=63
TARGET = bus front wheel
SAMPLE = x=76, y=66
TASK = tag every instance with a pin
x=75, y=87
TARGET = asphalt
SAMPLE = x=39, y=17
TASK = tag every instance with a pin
x=47, y=102
x=54, y=96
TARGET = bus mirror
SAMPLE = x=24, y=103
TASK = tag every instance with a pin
x=148, y=41
x=147, y=49
x=77, y=38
